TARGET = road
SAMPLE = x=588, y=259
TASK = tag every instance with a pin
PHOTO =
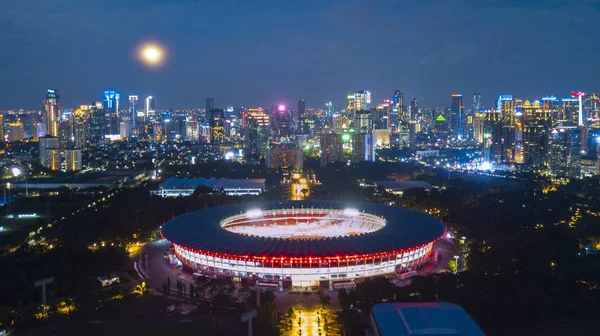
x=157, y=270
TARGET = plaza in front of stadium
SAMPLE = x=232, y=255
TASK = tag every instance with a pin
x=287, y=244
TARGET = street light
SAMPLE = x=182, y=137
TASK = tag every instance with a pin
x=456, y=258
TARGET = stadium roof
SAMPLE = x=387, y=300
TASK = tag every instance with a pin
x=215, y=183
x=423, y=318
x=201, y=230
x=403, y=185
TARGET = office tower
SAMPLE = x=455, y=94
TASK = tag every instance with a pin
x=537, y=123
x=331, y=148
x=457, y=112
x=598, y=155
x=492, y=136
x=210, y=104
x=38, y=130
x=382, y=137
x=49, y=152
x=258, y=131
x=52, y=115
x=506, y=106
x=192, y=132
x=73, y=160
x=81, y=126
x=478, y=125
x=340, y=123
x=592, y=107
x=168, y=127
x=395, y=112
x=1, y=128
x=329, y=109
x=552, y=105
x=403, y=135
x=65, y=134
x=205, y=133
x=282, y=122
x=363, y=147
x=216, y=119
x=124, y=130
x=413, y=128
x=16, y=131
x=476, y=101
x=414, y=109
x=97, y=122
x=579, y=96
x=359, y=100
x=569, y=110
x=149, y=108
x=111, y=108
x=564, y=161
x=303, y=125
x=133, y=100
x=363, y=123
x=283, y=157
x=380, y=114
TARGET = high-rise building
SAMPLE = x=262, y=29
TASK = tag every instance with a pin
x=359, y=100
x=65, y=134
x=477, y=102
x=52, y=115
x=414, y=109
x=492, y=136
x=16, y=131
x=124, y=130
x=569, y=110
x=281, y=117
x=97, y=122
x=81, y=126
x=111, y=108
x=536, y=128
x=216, y=119
x=396, y=112
x=1, y=128
x=331, y=148
x=73, y=159
x=592, y=106
x=210, y=104
x=552, y=105
x=506, y=106
x=149, y=108
x=303, y=125
x=258, y=131
x=413, y=127
x=49, y=151
x=192, y=130
x=133, y=101
x=478, y=125
x=564, y=161
x=363, y=147
x=363, y=123
x=457, y=113
x=283, y=157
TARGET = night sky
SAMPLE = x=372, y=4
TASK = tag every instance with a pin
x=262, y=52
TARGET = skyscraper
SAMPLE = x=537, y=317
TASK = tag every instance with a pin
x=476, y=102
x=149, y=108
x=216, y=119
x=133, y=100
x=16, y=131
x=210, y=104
x=331, y=148
x=97, y=122
x=73, y=159
x=192, y=130
x=565, y=141
x=363, y=147
x=282, y=122
x=569, y=110
x=258, y=131
x=363, y=123
x=537, y=124
x=359, y=100
x=506, y=106
x=52, y=115
x=395, y=113
x=414, y=109
x=457, y=111
x=302, y=127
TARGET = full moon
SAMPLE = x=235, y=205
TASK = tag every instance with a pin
x=152, y=54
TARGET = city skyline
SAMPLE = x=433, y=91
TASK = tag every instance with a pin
x=309, y=45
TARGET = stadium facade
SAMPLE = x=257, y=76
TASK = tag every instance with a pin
x=303, y=243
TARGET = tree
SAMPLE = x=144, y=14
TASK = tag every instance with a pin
x=453, y=265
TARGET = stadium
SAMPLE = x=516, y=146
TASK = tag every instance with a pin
x=303, y=243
